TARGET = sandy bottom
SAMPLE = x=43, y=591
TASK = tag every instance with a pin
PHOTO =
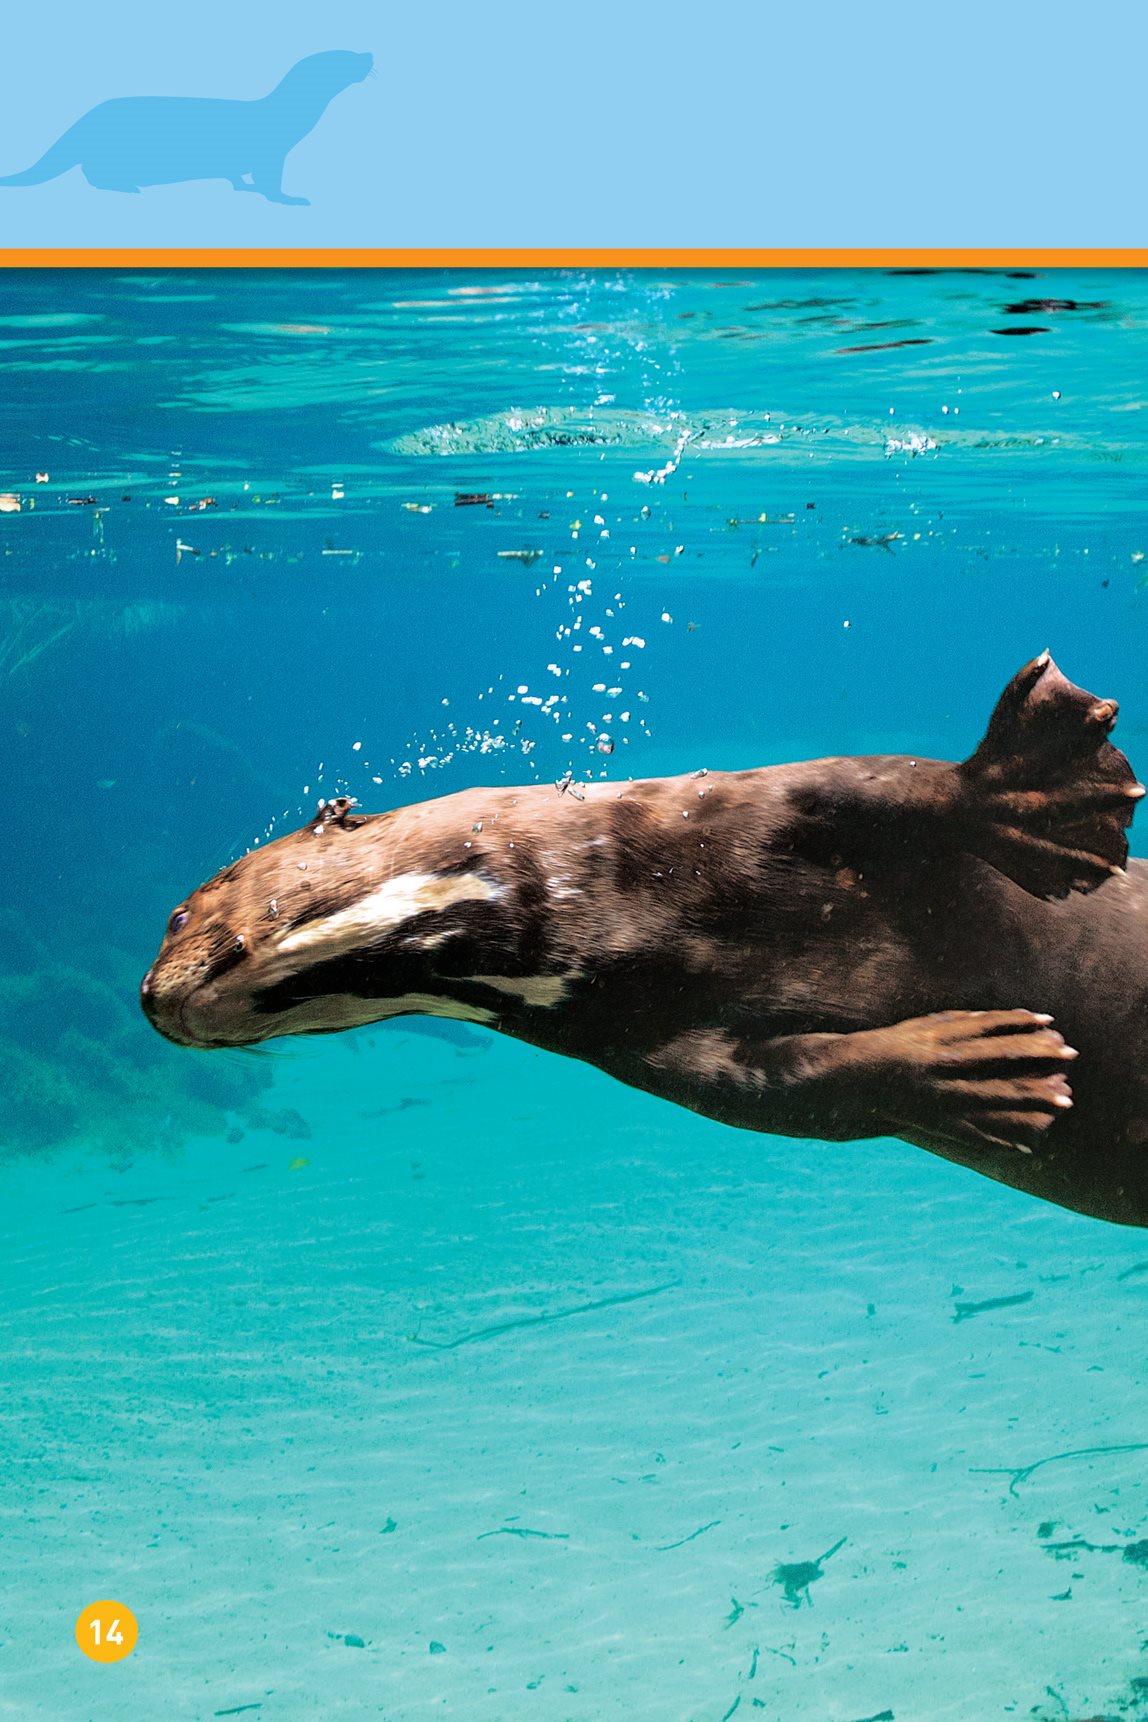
x=529, y=1397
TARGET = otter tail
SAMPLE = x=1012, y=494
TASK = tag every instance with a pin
x=64, y=153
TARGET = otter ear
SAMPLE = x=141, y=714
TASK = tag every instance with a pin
x=1046, y=798
x=337, y=812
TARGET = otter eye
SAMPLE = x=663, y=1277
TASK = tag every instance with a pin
x=178, y=920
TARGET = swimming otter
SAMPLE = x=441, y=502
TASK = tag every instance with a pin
x=843, y=948
x=159, y=140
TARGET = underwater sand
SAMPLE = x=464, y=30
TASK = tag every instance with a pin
x=271, y=1408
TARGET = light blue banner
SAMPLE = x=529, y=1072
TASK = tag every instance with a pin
x=520, y=124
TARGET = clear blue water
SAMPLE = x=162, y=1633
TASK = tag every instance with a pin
x=409, y=1376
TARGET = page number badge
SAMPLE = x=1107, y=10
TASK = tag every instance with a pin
x=107, y=1631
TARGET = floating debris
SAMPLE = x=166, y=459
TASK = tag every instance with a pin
x=10, y=503
x=870, y=542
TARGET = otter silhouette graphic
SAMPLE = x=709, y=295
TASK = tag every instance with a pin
x=134, y=141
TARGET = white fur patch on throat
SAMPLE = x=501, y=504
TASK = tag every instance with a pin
x=542, y=991
x=385, y=907
x=340, y=1011
x=435, y=1004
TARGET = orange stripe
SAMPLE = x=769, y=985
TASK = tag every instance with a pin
x=656, y=257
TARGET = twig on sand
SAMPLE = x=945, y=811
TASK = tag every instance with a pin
x=663, y=1548
x=1022, y=1473
x=540, y=1320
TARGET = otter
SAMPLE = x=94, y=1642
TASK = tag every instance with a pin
x=953, y=954
x=134, y=141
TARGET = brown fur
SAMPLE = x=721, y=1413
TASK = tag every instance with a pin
x=806, y=949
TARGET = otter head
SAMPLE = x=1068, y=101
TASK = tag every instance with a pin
x=348, y=921
x=331, y=71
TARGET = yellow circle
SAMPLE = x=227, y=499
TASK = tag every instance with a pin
x=107, y=1631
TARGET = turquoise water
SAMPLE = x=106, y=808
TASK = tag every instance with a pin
x=408, y=1375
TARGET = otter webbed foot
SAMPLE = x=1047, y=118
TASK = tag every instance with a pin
x=987, y=1079
x=1046, y=798
x=954, y=1080
x=267, y=179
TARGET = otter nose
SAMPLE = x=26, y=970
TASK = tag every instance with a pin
x=148, y=1000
